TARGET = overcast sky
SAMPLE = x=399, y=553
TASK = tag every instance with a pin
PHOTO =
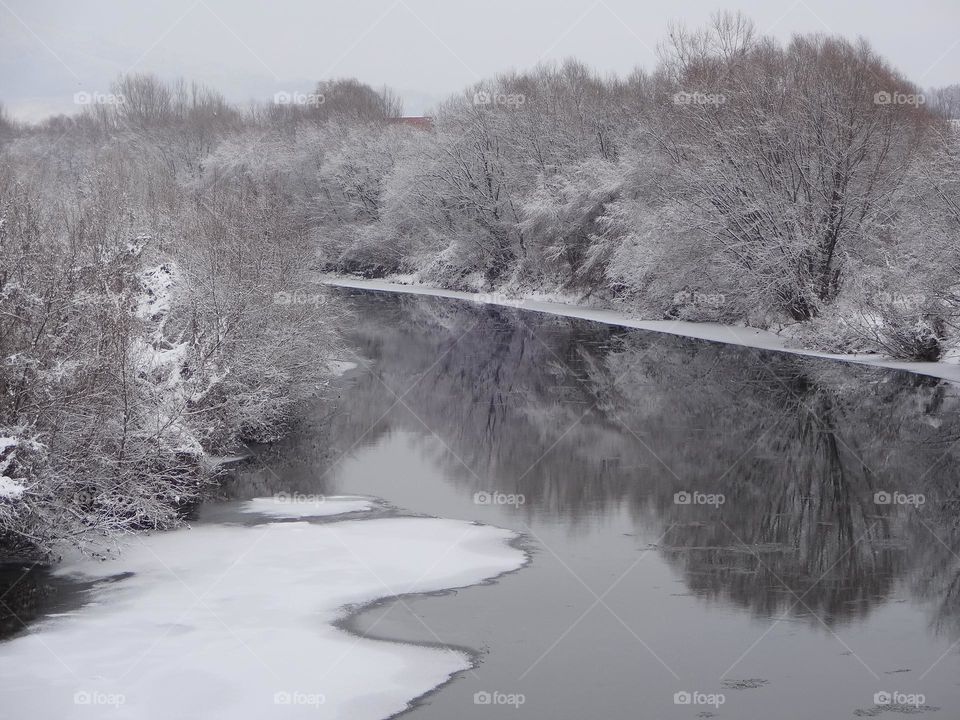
x=425, y=49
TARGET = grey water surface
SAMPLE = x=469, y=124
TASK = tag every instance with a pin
x=714, y=530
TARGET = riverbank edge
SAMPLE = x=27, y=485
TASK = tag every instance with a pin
x=742, y=336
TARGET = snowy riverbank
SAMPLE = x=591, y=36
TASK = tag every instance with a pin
x=233, y=621
x=714, y=332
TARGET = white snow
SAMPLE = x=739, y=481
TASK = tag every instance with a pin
x=235, y=622
x=303, y=506
x=153, y=307
x=10, y=489
x=158, y=283
x=715, y=332
x=340, y=367
x=161, y=361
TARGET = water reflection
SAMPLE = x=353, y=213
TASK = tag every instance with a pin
x=583, y=420
x=29, y=592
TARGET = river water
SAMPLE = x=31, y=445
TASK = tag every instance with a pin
x=712, y=530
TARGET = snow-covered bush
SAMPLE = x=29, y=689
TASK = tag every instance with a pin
x=149, y=315
x=82, y=380
x=918, y=336
x=868, y=318
x=22, y=460
x=560, y=218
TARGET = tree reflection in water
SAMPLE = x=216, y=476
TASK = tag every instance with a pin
x=585, y=419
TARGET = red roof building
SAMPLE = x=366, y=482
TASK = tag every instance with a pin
x=422, y=122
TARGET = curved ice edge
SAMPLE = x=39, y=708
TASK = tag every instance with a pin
x=413, y=670
x=519, y=542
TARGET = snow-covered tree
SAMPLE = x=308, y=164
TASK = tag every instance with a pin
x=793, y=159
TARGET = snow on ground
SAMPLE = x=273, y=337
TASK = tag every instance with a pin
x=715, y=332
x=228, y=622
x=10, y=489
x=303, y=506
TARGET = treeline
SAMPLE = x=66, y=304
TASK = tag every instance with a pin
x=157, y=248
x=156, y=306
x=740, y=181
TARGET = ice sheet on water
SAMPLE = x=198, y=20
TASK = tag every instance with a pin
x=236, y=622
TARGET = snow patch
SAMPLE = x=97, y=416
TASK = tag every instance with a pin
x=227, y=622
x=155, y=300
x=161, y=361
x=10, y=489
